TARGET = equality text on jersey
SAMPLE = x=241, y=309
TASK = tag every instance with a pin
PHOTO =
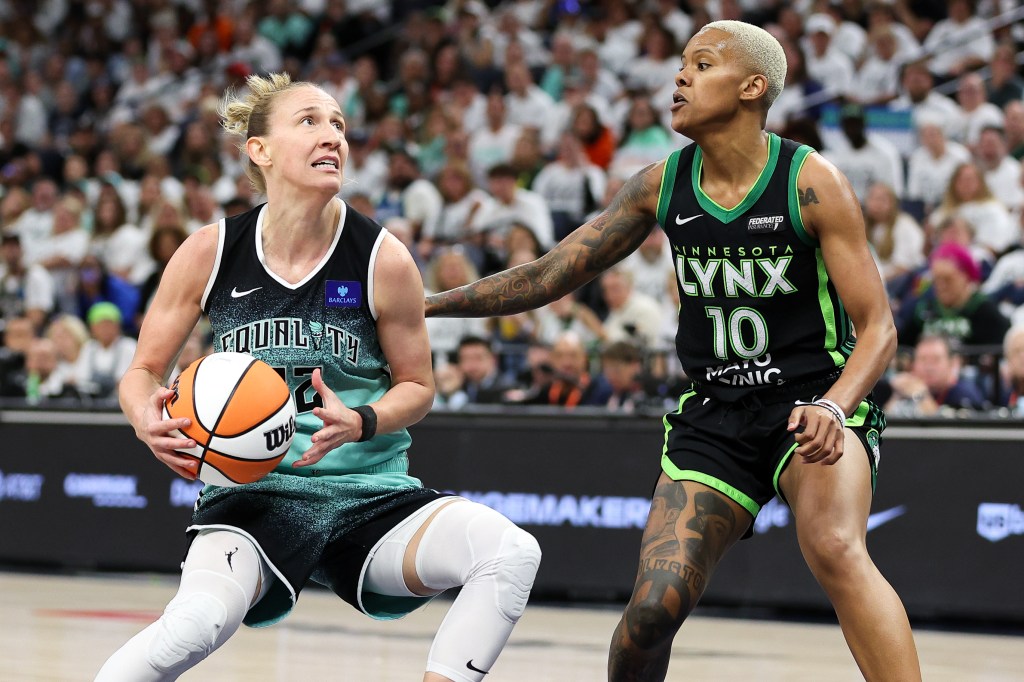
x=291, y=332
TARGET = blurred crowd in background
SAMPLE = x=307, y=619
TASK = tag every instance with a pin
x=481, y=134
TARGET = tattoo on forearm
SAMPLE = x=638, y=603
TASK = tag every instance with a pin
x=580, y=257
x=807, y=196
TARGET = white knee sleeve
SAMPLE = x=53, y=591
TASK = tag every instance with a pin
x=474, y=546
x=222, y=577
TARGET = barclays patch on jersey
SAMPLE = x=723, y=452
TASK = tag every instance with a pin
x=764, y=223
x=341, y=294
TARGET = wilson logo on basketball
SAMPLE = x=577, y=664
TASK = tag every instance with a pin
x=174, y=387
x=278, y=436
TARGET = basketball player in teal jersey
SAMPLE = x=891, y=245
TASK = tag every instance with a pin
x=772, y=267
x=333, y=301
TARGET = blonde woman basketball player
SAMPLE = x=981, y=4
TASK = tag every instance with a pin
x=774, y=274
x=317, y=290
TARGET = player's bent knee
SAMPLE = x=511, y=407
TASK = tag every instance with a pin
x=517, y=563
x=188, y=632
x=651, y=624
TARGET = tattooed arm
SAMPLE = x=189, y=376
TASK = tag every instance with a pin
x=577, y=259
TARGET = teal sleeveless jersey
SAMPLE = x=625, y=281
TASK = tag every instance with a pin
x=757, y=308
x=326, y=321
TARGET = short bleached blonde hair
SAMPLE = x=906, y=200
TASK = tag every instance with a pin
x=760, y=50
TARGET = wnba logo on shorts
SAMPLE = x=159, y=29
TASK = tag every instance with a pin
x=341, y=294
x=276, y=437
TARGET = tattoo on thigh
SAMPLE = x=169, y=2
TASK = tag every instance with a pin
x=714, y=524
x=666, y=506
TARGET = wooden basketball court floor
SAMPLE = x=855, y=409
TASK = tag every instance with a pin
x=61, y=628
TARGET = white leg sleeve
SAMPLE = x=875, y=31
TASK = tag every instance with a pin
x=495, y=561
x=222, y=577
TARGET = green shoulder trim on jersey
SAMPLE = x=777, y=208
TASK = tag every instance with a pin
x=668, y=183
x=737, y=496
x=727, y=215
x=828, y=312
x=799, y=157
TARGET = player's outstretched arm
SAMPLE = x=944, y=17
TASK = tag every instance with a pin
x=170, y=319
x=577, y=259
x=831, y=212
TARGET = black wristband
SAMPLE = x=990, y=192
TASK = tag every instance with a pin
x=369, y=422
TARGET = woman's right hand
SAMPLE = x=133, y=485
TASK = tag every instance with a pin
x=155, y=431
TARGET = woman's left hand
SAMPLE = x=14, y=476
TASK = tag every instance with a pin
x=341, y=425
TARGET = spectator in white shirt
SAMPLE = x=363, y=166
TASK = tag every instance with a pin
x=570, y=185
x=960, y=42
x=25, y=290
x=366, y=170
x=881, y=18
x=975, y=111
x=829, y=66
x=632, y=316
x=106, y=356
x=62, y=253
x=970, y=198
x=919, y=98
x=450, y=268
x=495, y=141
x=865, y=159
x=458, y=219
x=1002, y=171
x=651, y=265
x=408, y=195
x=35, y=224
x=658, y=62
x=896, y=239
x=877, y=81
x=527, y=104
x=932, y=163
x=513, y=204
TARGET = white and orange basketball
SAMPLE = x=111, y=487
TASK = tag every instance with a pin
x=242, y=413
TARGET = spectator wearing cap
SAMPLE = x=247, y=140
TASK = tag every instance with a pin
x=960, y=42
x=826, y=64
x=968, y=196
x=933, y=382
x=918, y=96
x=954, y=307
x=1002, y=171
x=107, y=354
x=864, y=159
x=933, y=162
x=514, y=204
x=25, y=290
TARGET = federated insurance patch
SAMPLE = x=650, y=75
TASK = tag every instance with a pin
x=343, y=294
x=764, y=223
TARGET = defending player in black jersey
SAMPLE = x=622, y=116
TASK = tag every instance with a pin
x=784, y=328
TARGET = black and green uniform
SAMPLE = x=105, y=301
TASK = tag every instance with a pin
x=760, y=325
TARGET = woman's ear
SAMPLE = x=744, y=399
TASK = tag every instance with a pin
x=753, y=87
x=257, y=150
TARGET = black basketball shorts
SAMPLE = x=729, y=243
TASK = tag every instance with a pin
x=741, y=448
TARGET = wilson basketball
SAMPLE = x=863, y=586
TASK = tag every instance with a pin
x=242, y=413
